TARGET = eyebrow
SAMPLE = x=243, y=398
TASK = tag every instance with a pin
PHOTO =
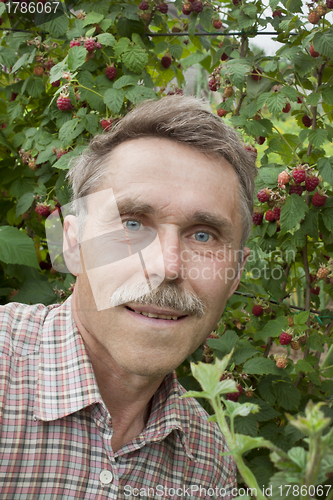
x=199, y=217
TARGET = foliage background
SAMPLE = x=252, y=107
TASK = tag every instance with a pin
x=34, y=135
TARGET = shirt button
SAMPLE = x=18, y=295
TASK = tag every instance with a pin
x=106, y=476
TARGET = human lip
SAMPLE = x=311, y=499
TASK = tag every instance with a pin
x=155, y=313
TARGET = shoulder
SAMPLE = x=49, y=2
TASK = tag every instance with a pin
x=20, y=326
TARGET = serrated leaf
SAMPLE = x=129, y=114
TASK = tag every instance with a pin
x=325, y=167
x=176, y=50
x=125, y=80
x=276, y=102
x=14, y=110
x=92, y=18
x=289, y=92
x=57, y=27
x=76, y=57
x=327, y=93
x=35, y=87
x=193, y=23
x=114, y=99
x=135, y=58
x=317, y=137
x=236, y=69
x=246, y=426
x=36, y=291
x=106, y=39
x=24, y=203
x=267, y=177
x=287, y=395
x=120, y=46
x=259, y=366
x=303, y=366
x=242, y=354
x=225, y=343
x=91, y=123
x=21, y=62
x=57, y=70
x=323, y=43
x=313, y=99
x=63, y=162
x=292, y=212
x=192, y=59
x=327, y=216
x=17, y=248
x=2, y=9
x=234, y=409
x=310, y=224
x=139, y=93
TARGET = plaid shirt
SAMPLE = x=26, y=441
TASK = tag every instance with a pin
x=55, y=430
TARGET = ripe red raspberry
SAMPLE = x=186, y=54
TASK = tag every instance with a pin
x=298, y=175
x=281, y=361
x=263, y=195
x=315, y=290
x=106, y=124
x=217, y=23
x=329, y=4
x=212, y=85
x=144, y=5
x=311, y=183
x=13, y=96
x=38, y=70
x=74, y=43
x=269, y=216
x=287, y=108
x=166, y=62
x=257, y=310
x=257, y=218
x=318, y=200
x=64, y=103
x=285, y=338
x=3, y=125
x=111, y=72
x=313, y=52
x=163, y=8
x=277, y=13
x=283, y=178
x=224, y=56
x=296, y=190
x=277, y=213
x=252, y=150
x=197, y=6
x=42, y=209
x=261, y=140
x=234, y=396
x=313, y=17
x=256, y=74
x=236, y=2
x=90, y=44
x=99, y=45
x=56, y=83
x=221, y=112
x=186, y=9
x=299, y=99
x=306, y=120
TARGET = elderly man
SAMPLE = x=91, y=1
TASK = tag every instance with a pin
x=90, y=406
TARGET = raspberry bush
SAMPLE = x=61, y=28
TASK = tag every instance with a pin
x=66, y=78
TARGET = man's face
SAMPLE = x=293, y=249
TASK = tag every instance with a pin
x=191, y=202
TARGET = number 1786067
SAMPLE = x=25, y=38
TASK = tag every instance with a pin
x=32, y=7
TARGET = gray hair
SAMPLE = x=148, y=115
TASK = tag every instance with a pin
x=184, y=119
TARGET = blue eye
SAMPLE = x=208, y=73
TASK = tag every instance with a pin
x=202, y=236
x=132, y=225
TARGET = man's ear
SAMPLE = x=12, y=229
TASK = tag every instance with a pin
x=246, y=254
x=71, y=247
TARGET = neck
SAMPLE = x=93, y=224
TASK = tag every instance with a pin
x=126, y=395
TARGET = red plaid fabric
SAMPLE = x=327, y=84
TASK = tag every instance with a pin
x=55, y=431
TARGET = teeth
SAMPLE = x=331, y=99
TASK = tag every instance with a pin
x=153, y=315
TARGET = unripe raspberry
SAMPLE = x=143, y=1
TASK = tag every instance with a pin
x=313, y=52
x=256, y=74
x=163, y=8
x=321, y=10
x=111, y=72
x=283, y=178
x=228, y=92
x=298, y=175
x=295, y=344
x=221, y=112
x=74, y=43
x=313, y=17
x=311, y=183
x=280, y=361
x=64, y=103
x=90, y=44
x=144, y=5
x=166, y=61
x=197, y=6
x=322, y=273
x=257, y=218
x=38, y=70
x=217, y=23
x=187, y=9
x=287, y=108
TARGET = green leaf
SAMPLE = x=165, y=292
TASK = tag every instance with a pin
x=310, y=224
x=139, y=93
x=91, y=123
x=63, y=162
x=236, y=69
x=313, y=99
x=24, y=203
x=57, y=27
x=35, y=87
x=114, y=99
x=246, y=426
x=76, y=57
x=36, y=291
x=17, y=248
x=209, y=375
x=244, y=353
x=106, y=39
x=120, y=46
x=21, y=62
x=14, y=110
x=327, y=93
x=327, y=216
x=234, y=409
x=317, y=137
x=2, y=9
x=194, y=58
x=287, y=395
x=57, y=70
x=276, y=102
x=225, y=343
x=301, y=318
x=92, y=18
x=135, y=58
x=8, y=56
x=323, y=43
x=325, y=167
x=292, y=212
x=272, y=329
x=266, y=389
x=176, y=50
x=303, y=366
x=125, y=80
x=259, y=366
